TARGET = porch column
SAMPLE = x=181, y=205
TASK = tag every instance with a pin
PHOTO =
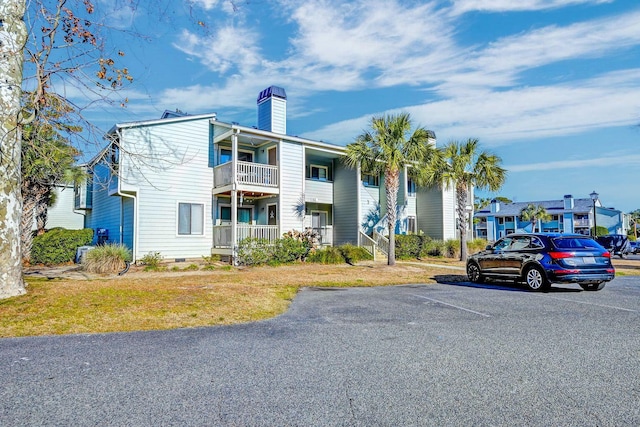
x=234, y=197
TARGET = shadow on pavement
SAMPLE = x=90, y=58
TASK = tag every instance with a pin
x=463, y=281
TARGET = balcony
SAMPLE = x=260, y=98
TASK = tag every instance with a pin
x=581, y=223
x=254, y=174
x=319, y=191
x=222, y=234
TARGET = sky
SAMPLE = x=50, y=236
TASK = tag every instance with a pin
x=550, y=86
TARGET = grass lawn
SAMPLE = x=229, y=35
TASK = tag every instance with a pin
x=180, y=298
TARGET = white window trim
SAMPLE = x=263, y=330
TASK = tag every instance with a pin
x=204, y=222
x=326, y=169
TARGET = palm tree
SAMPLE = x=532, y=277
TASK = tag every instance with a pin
x=463, y=166
x=386, y=149
x=533, y=213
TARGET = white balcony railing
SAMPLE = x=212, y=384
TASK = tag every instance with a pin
x=248, y=173
x=222, y=234
x=581, y=222
x=326, y=235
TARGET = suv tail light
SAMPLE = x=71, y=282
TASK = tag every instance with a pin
x=560, y=255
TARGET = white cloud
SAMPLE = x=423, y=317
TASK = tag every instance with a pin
x=632, y=160
x=463, y=6
x=229, y=49
x=612, y=99
x=345, y=46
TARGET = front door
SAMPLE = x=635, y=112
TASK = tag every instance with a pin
x=272, y=215
x=273, y=156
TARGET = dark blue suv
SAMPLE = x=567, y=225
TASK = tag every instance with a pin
x=539, y=259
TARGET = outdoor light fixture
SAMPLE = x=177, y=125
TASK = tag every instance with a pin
x=594, y=197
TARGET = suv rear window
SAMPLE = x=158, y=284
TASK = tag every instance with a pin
x=575, y=243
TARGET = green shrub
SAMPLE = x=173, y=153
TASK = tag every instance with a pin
x=409, y=246
x=476, y=245
x=192, y=267
x=353, y=254
x=452, y=248
x=329, y=255
x=59, y=245
x=151, y=261
x=254, y=251
x=288, y=249
x=109, y=258
x=434, y=248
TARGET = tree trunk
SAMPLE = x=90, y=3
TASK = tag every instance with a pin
x=13, y=35
x=461, y=205
x=392, y=183
x=26, y=235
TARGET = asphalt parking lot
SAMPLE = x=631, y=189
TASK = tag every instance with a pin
x=414, y=355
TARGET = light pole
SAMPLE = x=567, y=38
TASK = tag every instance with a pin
x=594, y=197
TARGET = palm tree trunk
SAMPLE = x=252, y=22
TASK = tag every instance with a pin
x=461, y=205
x=42, y=211
x=392, y=183
x=13, y=34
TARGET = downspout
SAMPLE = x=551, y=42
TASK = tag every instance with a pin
x=135, y=207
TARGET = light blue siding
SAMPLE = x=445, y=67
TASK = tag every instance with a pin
x=106, y=209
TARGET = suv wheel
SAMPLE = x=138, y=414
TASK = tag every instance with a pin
x=473, y=272
x=535, y=279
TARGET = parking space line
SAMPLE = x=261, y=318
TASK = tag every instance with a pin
x=452, y=305
x=591, y=303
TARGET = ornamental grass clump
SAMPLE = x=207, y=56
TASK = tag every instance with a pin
x=110, y=258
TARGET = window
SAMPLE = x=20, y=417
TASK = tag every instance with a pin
x=243, y=217
x=114, y=159
x=190, y=219
x=370, y=180
x=243, y=156
x=501, y=220
x=225, y=213
x=411, y=188
x=319, y=173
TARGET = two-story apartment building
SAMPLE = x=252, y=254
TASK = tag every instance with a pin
x=568, y=215
x=191, y=185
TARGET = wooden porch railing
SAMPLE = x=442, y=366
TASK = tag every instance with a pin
x=248, y=174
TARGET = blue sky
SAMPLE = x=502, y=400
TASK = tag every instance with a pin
x=551, y=86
